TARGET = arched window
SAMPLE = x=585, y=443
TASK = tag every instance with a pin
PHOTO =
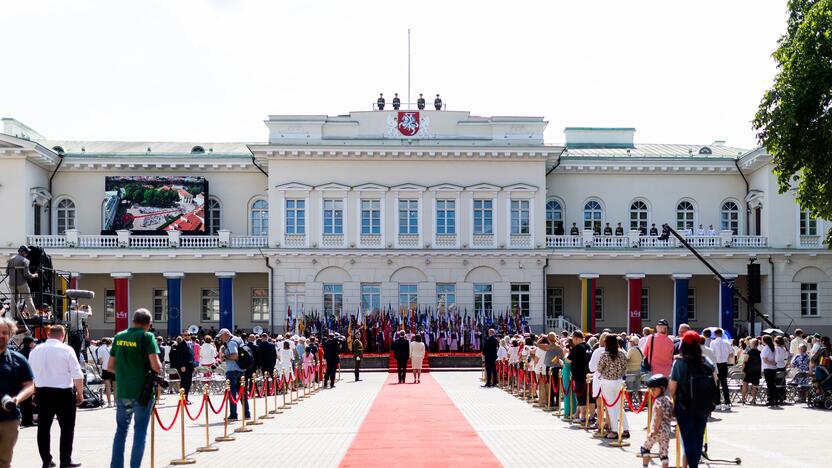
x=730, y=217
x=639, y=215
x=65, y=215
x=593, y=216
x=214, y=210
x=197, y=150
x=685, y=216
x=554, y=218
x=259, y=218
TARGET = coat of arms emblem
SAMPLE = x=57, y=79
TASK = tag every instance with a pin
x=408, y=123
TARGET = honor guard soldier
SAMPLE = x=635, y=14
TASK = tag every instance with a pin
x=396, y=102
x=607, y=230
x=437, y=103
x=653, y=230
x=619, y=231
x=420, y=103
x=573, y=231
x=380, y=102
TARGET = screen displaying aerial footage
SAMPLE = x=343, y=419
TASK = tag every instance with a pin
x=151, y=204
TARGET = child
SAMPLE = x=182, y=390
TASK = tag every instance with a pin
x=662, y=415
x=308, y=365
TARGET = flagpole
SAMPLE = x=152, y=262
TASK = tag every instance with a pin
x=408, y=68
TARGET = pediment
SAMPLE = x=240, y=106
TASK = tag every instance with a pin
x=520, y=188
x=293, y=186
x=446, y=188
x=370, y=187
x=408, y=188
x=332, y=186
x=483, y=188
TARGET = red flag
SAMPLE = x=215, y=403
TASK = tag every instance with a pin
x=634, y=301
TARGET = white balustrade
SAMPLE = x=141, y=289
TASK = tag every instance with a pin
x=521, y=240
x=409, y=241
x=329, y=241
x=483, y=240
x=810, y=242
x=294, y=240
x=564, y=242
x=653, y=242
x=445, y=241
x=370, y=240
x=749, y=241
x=249, y=242
x=611, y=242
x=93, y=241
x=47, y=241
x=704, y=241
x=199, y=242
x=149, y=242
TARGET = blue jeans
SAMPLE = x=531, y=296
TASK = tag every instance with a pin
x=692, y=430
x=234, y=377
x=125, y=411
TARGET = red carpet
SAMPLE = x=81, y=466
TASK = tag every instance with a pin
x=416, y=425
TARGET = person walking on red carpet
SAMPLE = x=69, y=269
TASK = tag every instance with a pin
x=401, y=351
x=417, y=355
x=489, y=353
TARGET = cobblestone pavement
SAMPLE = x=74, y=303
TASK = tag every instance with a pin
x=522, y=436
x=318, y=431
x=314, y=433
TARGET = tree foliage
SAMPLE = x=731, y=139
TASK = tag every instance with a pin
x=794, y=120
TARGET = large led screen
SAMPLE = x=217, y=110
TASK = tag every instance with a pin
x=152, y=204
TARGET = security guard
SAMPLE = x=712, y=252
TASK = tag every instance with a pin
x=619, y=230
x=380, y=102
x=574, y=230
x=396, y=102
x=607, y=230
x=437, y=103
x=653, y=230
x=420, y=103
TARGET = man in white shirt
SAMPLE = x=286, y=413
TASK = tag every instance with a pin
x=645, y=334
x=700, y=231
x=57, y=372
x=722, y=351
x=711, y=230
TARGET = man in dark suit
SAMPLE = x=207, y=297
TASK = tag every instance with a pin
x=255, y=353
x=182, y=357
x=267, y=353
x=401, y=351
x=489, y=354
x=331, y=349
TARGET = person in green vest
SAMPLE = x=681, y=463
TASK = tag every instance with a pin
x=358, y=352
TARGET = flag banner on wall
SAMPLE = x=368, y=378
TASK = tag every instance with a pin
x=634, y=295
x=226, y=303
x=122, y=303
x=680, y=302
x=588, y=304
x=726, y=307
x=174, y=306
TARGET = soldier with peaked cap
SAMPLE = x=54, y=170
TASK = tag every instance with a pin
x=420, y=103
x=396, y=101
x=380, y=102
x=437, y=103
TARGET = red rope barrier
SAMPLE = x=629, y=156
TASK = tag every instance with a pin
x=176, y=415
x=630, y=403
x=239, y=395
x=201, y=407
x=250, y=392
x=614, y=402
x=222, y=404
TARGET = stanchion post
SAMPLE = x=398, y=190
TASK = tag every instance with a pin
x=678, y=447
x=276, y=409
x=266, y=413
x=208, y=447
x=621, y=442
x=549, y=390
x=254, y=421
x=243, y=398
x=586, y=408
x=649, y=397
x=227, y=397
x=152, y=439
x=183, y=460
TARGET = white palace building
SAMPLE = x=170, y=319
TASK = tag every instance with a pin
x=429, y=207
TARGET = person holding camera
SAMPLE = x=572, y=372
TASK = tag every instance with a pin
x=134, y=359
x=16, y=386
x=59, y=389
x=17, y=269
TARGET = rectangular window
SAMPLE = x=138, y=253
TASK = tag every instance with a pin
x=691, y=304
x=645, y=304
x=408, y=297
x=333, y=216
x=370, y=297
x=408, y=216
x=483, y=217
x=295, y=296
x=809, y=299
x=808, y=224
x=483, y=299
x=554, y=308
x=445, y=296
x=736, y=301
x=445, y=216
x=259, y=305
x=519, y=217
x=599, y=304
x=520, y=298
x=295, y=216
x=210, y=310
x=370, y=216
x=109, y=306
x=333, y=299
x=160, y=305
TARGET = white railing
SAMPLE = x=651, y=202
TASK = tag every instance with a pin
x=199, y=242
x=653, y=242
x=409, y=241
x=97, y=242
x=749, y=241
x=149, y=242
x=370, y=240
x=248, y=242
x=483, y=240
x=559, y=323
x=445, y=241
x=521, y=240
x=811, y=242
x=564, y=242
x=329, y=241
x=704, y=241
x=47, y=241
x=294, y=240
x=610, y=242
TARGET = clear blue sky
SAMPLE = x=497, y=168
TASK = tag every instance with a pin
x=680, y=72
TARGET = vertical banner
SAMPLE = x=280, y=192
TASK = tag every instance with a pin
x=122, y=302
x=680, y=302
x=226, y=302
x=634, y=300
x=174, y=306
x=63, y=301
x=588, y=305
x=726, y=307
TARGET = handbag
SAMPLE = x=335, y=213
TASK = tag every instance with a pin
x=645, y=362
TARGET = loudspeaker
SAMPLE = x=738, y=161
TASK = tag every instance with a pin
x=754, y=295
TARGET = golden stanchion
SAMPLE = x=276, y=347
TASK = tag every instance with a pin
x=601, y=414
x=678, y=446
x=243, y=399
x=152, y=439
x=620, y=442
x=254, y=421
x=227, y=396
x=207, y=447
x=649, y=404
x=183, y=460
x=586, y=408
x=285, y=405
x=482, y=376
x=276, y=409
x=290, y=382
x=266, y=412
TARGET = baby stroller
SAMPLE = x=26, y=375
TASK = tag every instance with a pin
x=822, y=396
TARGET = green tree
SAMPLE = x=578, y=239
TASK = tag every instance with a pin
x=794, y=120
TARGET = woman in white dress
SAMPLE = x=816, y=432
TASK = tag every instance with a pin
x=417, y=355
x=286, y=356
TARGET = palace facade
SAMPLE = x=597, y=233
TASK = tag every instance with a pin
x=440, y=209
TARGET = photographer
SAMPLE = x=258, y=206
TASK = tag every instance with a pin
x=134, y=359
x=15, y=387
x=17, y=269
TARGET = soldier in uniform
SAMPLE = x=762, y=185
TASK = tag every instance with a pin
x=607, y=230
x=653, y=230
x=573, y=231
x=380, y=102
x=396, y=102
x=420, y=103
x=437, y=103
x=619, y=230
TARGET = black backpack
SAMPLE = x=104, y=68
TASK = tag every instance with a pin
x=698, y=391
x=245, y=358
x=91, y=399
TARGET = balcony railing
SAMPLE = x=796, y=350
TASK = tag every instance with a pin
x=409, y=241
x=653, y=242
x=445, y=241
x=483, y=241
x=127, y=241
x=811, y=242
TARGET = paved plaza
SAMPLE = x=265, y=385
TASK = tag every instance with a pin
x=319, y=431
